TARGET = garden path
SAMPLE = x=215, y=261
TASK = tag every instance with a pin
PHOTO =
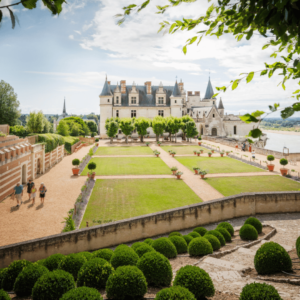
x=249, y=174
x=134, y=177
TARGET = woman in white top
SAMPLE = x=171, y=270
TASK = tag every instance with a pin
x=33, y=193
x=253, y=155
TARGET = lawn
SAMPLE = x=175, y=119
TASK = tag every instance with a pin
x=129, y=166
x=235, y=185
x=217, y=164
x=126, y=150
x=118, y=199
x=184, y=149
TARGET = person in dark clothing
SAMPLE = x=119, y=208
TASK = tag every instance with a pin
x=30, y=184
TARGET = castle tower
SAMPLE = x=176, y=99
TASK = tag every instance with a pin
x=64, y=109
x=221, y=108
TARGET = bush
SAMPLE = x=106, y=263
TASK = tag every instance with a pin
x=297, y=248
x=187, y=238
x=75, y=162
x=88, y=255
x=148, y=241
x=165, y=246
x=248, y=232
x=283, y=162
x=218, y=235
x=135, y=245
x=51, y=140
x=52, y=262
x=94, y=273
x=272, y=258
x=126, y=282
x=27, y=278
x=13, y=270
x=270, y=157
x=227, y=226
x=200, y=230
x=200, y=246
x=124, y=257
x=225, y=233
x=255, y=223
x=92, y=166
x=120, y=247
x=72, y=264
x=194, y=234
x=175, y=233
x=2, y=275
x=156, y=268
x=4, y=295
x=259, y=291
x=140, y=251
x=103, y=253
x=215, y=243
x=180, y=243
x=96, y=140
x=82, y=293
x=175, y=293
x=196, y=280
x=52, y=285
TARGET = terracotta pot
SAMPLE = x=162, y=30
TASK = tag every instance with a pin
x=75, y=171
x=172, y=155
x=284, y=172
x=227, y=153
x=196, y=172
x=213, y=151
x=201, y=151
x=209, y=155
x=199, y=143
x=221, y=154
x=195, y=152
x=93, y=175
x=198, y=154
x=271, y=167
x=174, y=172
x=88, y=175
x=157, y=155
x=178, y=176
x=158, y=145
x=97, y=144
x=250, y=148
x=202, y=176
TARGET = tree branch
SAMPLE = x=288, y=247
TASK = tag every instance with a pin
x=7, y=6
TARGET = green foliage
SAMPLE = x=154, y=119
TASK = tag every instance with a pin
x=175, y=293
x=81, y=127
x=126, y=282
x=27, y=278
x=200, y=246
x=2, y=275
x=283, y=161
x=271, y=258
x=52, y=141
x=215, y=243
x=180, y=244
x=18, y=130
x=103, y=253
x=88, y=255
x=194, y=234
x=82, y=293
x=127, y=126
x=52, y=262
x=136, y=245
x=111, y=126
x=52, y=285
x=140, y=251
x=142, y=124
x=191, y=129
x=75, y=162
x=259, y=291
x=270, y=157
x=297, y=248
x=188, y=238
x=92, y=126
x=158, y=126
x=72, y=264
x=92, y=166
x=225, y=233
x=196, y=280
x=165, y=246
x=148, y=241
x=4, y=295
x=69, y=142
x=69, y=224
x=38, y=123
x=227, y=226
x=124, y=257
x=218, y=235
x=200, y=230
x=121, y=246
x=255, y=223
x=95, y=273
x=175, y=233
x=248, y=232
x=63, y=128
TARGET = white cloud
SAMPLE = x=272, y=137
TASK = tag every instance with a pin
x=84, y=46
x=77, y=32
x=71, y=37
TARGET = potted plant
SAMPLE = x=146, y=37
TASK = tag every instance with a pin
x=212, y=150
x=156, y=153
x=199, y=140
x=170, y=151
x=174, y=169
x=76, y=163
x=147, y=143
x=283, y=170
x=173, y=153
x=221, y=153
x=178, y=174
x=198, y=153
x=92, y=166
x=201, y=151
x=195, y=152
x=209, y=154
x=196, y=169
x=270, y=166
x=97, y=142
x=203, y=173
x=227, y=153
x=158, y=143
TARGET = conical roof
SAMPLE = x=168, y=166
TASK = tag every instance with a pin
x=64, y=109
x=176, y=90
x=106, y=89
x=221, y=104
x=209, y=90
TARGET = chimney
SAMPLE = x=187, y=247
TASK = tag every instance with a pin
x=197, y=93
x=190, y=93
x=123, y=86
x=108, y=82
x=181, y=86
x=148, y=87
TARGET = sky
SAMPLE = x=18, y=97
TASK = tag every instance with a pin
x=46, y=59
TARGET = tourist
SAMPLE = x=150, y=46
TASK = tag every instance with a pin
x=253, y=155
x=33, y=193
x=29, y=187
x=43, y=191
x=18, y=192
x=244, y=147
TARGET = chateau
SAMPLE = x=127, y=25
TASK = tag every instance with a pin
x=149, y=101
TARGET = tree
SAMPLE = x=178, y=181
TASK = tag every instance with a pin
x=75, y=131
x=36, y=122
x=18, y=130
x=63, y=128
x=191, y=130
x=127, y=126
x=83, y=127
x=92, y=126
x=184, y=120
x=9, y=105
x=142, y=124
x=158, y=126
x=112, y=127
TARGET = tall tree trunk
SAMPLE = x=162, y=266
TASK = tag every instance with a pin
x=126, y=139
x=111, y=140
x=142, y=138
x=157, y=137
x=170, y=136
x=183, y=136
x=175, y=138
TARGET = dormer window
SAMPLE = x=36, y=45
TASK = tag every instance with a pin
x=133, y=100
x=213, y=115
x=160, y=100
x=117, y=100
x=175, y=101
x=107, y=100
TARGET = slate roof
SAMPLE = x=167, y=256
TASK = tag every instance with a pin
x=220, y=105
x=176, y=90
x=106, y=91
x=209, y=90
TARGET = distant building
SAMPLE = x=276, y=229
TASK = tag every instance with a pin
x=61, y=117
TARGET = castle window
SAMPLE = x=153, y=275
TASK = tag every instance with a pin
x=117, y=100
x=213, y=102
x=213, y=115
x=160, y=100
x=133, y=114
x=161, y=113
x=120, y=131
x=117, y=113
x=234, y=129
x=133, y=100
x=107, y=100
x=175, y=101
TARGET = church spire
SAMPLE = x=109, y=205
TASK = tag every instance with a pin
x=176, y=90
x=209, y=90
x=221, y=106
x=106, y=89
x=64, y=108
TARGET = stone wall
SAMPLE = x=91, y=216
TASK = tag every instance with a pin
x=129, y=230
x=4, y=129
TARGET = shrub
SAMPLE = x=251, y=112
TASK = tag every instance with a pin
x=75, y=162
x=200, y=230
x=297, y=248
x=96, y=140
x=82, y=293
x=259, y=291
x=156, y=268
x=283, y=162
x=126, y=282
x=52, y=262
x=39, y=262
x=27, y=278
x=4, y=295
x=165, y=247
x=175, y=233
x=88, y=255
x=94, y=273
x=13, y=270
x=135, y=245
x=248, y=232
x=255, y=223
x=92, y=166
x=194, y=234
x=218, y=235
x=2, y=275
x=52, y=285
x=72, y=264
x=196, y=280
x=140, y=251
x=225, y=233
x=175, y=293
x=187, y=238
x=103, y=253
x=200, y=246
x=215, y=243
x=120, y=247
x=272, y=258
x=227, y=226
x=270, y=157
x=124, y=257
x=180, y=244
x=148, y=241
x=52, y=141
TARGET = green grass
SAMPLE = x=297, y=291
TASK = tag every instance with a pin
x=129, y=150
x=217, y=164
x=184, y=149
x=118, y=199
x=129, y=166
x=235, y=185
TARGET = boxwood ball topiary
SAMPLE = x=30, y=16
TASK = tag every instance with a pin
x=227, y=226
x=165, y=246
x=215, y=243
x=136, y=245
x=218, y=235
x=82, y=293
x=4, y=295
x=2, y=275
x=225, y=233
x=200, y=230
x=297, y=249
x=88, y=255
x=196, y=280
x=180, y=243
x=255, y=223
x=194, y=234
x=156, y=268
x=175, y=293
x=52, y=285
x=72, y=264
x=271, y=258
x=148, y=241
x=103, y=253
x=124, y=257
x=248, y=232
x=200, y=246
x=52, y=262
x=40, y=262
x=175, y=233
x=140, y=251
x=126, y=282
x=187, y=238
x=13, y=270
x=121, y=246
x=27, y=278
x=95, y=273
x=259, y=291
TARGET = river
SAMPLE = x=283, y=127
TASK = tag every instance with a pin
x=277, y=141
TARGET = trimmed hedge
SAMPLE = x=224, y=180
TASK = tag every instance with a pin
x=297, y=248
x=2, y=275
x=51, y=140
x=103, y=253
x=52, y=262
x=124, y=257
x=180, y=243
x=200, y=230
x=175, y=293
x=194, y=234
x=255, y=223
x=156, y=268
x=72, y=264
x=84, y=293
x=126, y=282
x=135, y=245
x=218, y=235
x=227, y=226
x=188, y=238
x=88, y=255
x=165, y=246
x=200, y=246
x=175, y=233
x=140, y=251
x=259, y=291
x=248, y=232
x=196, y=280
x=225, y=233
x=120, y=247
x=215, y=243
x=148, y=241
x=4, y=295
x=271, y=258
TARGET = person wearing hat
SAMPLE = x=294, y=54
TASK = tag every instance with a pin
x=43, y=191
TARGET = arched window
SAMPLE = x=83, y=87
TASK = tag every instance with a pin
x=117, y=100
x=234, y=129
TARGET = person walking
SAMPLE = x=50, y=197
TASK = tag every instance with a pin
x=253, y=155
x=18, y=192
x=30, y=183
x=43, y=191
x=33, y=193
